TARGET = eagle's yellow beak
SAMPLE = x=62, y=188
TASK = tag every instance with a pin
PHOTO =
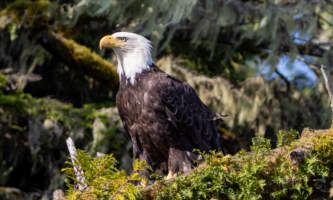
x=110, y=41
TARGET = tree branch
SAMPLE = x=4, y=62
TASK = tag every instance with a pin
x=328, y=84
x=296, y=152
x=79, y=56
x=310, y=49
x=283, y=78
x=118, y=190
x=76, y=165
x=315, y=68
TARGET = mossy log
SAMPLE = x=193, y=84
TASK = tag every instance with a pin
x=76, y=55
x=297, y=164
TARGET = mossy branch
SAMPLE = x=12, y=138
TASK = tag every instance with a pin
x=76, y=55
x=262, y=173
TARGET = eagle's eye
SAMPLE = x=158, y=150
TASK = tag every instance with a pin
x=124, y=39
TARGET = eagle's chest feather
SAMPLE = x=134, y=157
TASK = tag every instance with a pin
x=139, y=104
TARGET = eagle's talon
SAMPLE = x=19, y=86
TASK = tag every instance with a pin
x=171, y=175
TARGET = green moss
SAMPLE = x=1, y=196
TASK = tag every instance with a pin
x=323, y=146
x=254, y=177
x=96, y=66
x=17, y=102
x=70, y=115
x=3, y=81
x=259, y=174
x=23, y=103
x=286, y=137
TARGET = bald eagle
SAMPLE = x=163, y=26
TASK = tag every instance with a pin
x=164, y=117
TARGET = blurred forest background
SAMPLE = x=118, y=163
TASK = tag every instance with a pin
x=258, y=61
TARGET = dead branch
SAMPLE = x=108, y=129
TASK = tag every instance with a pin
x=328, y=84
x=76, y=165
x=285, y=79
x=315, y=68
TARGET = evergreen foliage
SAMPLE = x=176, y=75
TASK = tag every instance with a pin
x=103, y=179
x=261, y=173
x=257, y=175
x=33, y=131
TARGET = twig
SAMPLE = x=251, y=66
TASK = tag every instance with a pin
x=119, y=190
x=325, y=20
x=328, y=84
x=81, y=185
x=284, y=79
x=312, y=66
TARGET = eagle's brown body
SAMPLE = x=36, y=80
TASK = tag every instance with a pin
x=166, y=120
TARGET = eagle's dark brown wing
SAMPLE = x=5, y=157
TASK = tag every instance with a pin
x=188, y=114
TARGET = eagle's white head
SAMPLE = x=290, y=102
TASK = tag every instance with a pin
x=133, y=53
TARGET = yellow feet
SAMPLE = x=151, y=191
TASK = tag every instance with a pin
x=171, y=175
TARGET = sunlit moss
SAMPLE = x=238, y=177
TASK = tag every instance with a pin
x=3, y=81
x=259, y=174
x=286, y=137
x=323, y=145
x=98, y=67
x=17, y=102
